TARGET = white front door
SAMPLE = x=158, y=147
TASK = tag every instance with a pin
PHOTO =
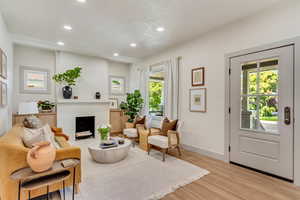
x=261, y=111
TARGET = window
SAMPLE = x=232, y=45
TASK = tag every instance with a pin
x=156, y=91
x=259, y=95
x=34, y=80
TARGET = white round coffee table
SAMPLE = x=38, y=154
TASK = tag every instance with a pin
x=111, y=155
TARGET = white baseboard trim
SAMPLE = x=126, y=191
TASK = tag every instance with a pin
x=211, y=154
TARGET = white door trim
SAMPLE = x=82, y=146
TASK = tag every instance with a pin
x=296, y=43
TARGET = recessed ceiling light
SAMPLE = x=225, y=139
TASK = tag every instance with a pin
x=133, y=45
x=60, y=43
x=160, y=29
x=68, y=27
x=81, y=1
x=116, y=54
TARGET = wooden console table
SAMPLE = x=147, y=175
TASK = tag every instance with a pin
x=29, y=180
x=46, y=118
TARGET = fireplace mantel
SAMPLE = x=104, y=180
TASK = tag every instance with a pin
x=69, y=109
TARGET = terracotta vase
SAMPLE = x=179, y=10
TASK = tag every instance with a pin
x=41, y=157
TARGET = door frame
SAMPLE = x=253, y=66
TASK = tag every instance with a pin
x=296, y=43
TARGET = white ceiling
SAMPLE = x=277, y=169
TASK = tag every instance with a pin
x=103, y=27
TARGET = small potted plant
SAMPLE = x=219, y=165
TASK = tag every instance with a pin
x=45, y=106
x=69, y=79
x=104, y=132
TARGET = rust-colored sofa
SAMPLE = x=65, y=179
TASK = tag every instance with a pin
x=13, y=157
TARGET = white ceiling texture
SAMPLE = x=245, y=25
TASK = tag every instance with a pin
x=104, y=27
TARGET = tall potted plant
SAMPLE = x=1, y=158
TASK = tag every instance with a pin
x=69, y=79
x=133, y=105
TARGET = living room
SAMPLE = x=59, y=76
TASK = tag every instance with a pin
x=149, y=100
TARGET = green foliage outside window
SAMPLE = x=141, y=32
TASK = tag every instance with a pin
x=155, y=96
x=268, y=82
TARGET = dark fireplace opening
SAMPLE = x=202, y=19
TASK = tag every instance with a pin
x=85, y=127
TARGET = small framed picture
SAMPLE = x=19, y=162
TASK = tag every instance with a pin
x=198, y=100
x=3, y=94
x=113, y=103
x=117, y=85
x=3, y=64
x=198, y=77
x=34, y=80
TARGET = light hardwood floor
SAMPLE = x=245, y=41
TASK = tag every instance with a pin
x=230, y=182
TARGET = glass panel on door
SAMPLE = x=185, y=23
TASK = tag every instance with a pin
x=259, y=96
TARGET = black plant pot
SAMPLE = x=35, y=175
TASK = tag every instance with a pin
x=67, y=92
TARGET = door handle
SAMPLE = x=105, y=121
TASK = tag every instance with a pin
x=287, y=115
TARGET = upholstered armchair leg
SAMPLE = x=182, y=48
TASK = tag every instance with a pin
x=149, y=148
x=164, y=154
x=179, y=150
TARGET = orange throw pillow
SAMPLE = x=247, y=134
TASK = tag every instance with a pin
x=168, y=125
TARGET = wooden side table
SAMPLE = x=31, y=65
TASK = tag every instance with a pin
x=29, y=180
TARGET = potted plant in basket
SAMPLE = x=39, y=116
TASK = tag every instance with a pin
x=133, y=105
x=69, y=79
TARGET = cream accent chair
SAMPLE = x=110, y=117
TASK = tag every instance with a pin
x=132, y=133
x=166, y=142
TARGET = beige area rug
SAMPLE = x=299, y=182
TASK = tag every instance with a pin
x=138, y=177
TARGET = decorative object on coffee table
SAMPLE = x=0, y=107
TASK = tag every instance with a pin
x=110, y=155
x=69, y=78
x=41, y=157
x=104, y=131
x=29, y=180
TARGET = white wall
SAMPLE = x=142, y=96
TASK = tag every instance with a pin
x=6, y=46
x=94, y=76
x=37, y=58
x=206, y=131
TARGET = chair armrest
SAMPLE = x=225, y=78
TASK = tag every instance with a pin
x=129, y=125
x=155, y=131
x=173, y=138
x=140, y=126
x=59, y=132
x=68, y=152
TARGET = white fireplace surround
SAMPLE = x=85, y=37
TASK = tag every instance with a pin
x=68, y=110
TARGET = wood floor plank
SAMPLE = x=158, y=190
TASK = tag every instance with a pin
x=231, y=182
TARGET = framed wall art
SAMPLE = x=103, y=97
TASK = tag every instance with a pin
x=117, y=85
x=3, y=64
x=198, y=100
x=113, y=103
x=34, y=80
x=198, y=76
x=3, y=94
